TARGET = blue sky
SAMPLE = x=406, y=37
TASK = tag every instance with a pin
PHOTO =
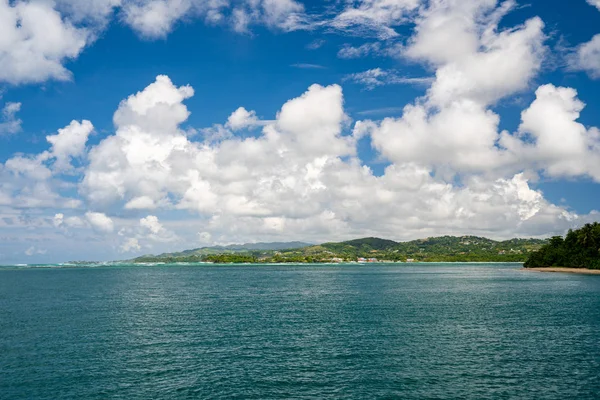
x=494, y=140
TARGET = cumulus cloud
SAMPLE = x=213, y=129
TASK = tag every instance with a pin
x=149, y=232
x=35, y=41
x=452, y=129
x=151, y=223
x=561, y=146
x=37, y=38
x=69, y=143
x=587, y=57
x=130, y=245
x=34, y=180
x=242, y=118
x=100, y=221
x=301, y=175
x=9, y=123
x=59, y=220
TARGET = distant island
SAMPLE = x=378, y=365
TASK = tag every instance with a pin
x=579, y=249
x=437, y=249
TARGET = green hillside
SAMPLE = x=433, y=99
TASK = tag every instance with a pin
x=445, y=248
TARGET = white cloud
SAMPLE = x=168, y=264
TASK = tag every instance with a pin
x=37, y=38
x=33, y=250
x=316, y=44
x=152, y=224
x=374, y=17
x=286, y=15
x=59, y=220
x=473, y=58
x=301, y=176
x=283, y=14
x=35, y=41
x=348, y=51
x=595, y=3
x=97, y=13
x=308, y=66
x=130, y=245
x=204, y=237
x=378, y=77
x=587, y=57
x=241, y=119
x=33, y=181
x=561, y=146
x=29, y=167
x=100, y=221
x=155, y=18
x=69, y=143
x=140, y=203
x=452, y=130
x=9, y=123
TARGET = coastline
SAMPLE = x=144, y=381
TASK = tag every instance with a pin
x=583, y=271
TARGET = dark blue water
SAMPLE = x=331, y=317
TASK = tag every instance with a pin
x=266, y=332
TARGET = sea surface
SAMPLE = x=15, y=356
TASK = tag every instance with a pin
x=421, y=331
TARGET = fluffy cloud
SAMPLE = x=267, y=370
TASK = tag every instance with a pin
x=561, y=146
x=146, y=166
x=35, y=41
x=100, y=221
x=69, y=143
x=130, y=245
x=587, y=57
x=9, y=123
x=59, y=220
x=452, y=130
x=38, y=37
x=151, y=223
x=33, y=181
x=595, y=3
x=155, y=18
x=474, y=59
x=242, y=118
x=301, y=177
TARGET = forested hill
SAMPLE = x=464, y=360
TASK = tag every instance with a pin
x=231, y=249
x=579, y=249
x=445, y=248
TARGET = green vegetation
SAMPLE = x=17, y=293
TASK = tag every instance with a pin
x=579, y=249
x=440, y=249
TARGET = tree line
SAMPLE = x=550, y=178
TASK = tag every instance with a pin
x=578, y=249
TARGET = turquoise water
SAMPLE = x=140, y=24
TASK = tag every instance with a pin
x=434, y=331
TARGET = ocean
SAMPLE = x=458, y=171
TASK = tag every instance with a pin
x=420, y=331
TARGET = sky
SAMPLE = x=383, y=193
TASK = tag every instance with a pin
x=132, y=127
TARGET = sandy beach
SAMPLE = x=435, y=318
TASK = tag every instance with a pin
x=566, y=270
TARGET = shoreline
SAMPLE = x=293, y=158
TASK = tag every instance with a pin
x=582, y=271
